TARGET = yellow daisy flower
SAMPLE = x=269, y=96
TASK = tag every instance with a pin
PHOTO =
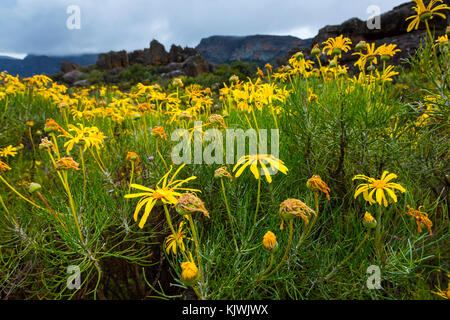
x=260, y=159
x=378, y=187
x=167, y=193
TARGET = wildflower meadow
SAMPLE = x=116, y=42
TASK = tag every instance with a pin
x=142, y=194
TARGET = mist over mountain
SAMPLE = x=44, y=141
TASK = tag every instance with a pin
x=40, y=64
x=257, y=48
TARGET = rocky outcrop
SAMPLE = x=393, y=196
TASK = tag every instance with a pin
x=112, y=60
x=179, y=61
x=156, y=55
x=392, y=29
x=258, y=48
x=178, y=54
x=137, y=56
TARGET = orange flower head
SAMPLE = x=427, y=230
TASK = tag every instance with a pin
x=316, y=184
x=66, y=164
x=4, y=166
x=132, y=156
x=292, y=208
x=159, y=131
x=421, y=219
x=222, y=172
x=189, y=203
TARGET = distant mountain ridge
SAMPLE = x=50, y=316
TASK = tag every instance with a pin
x=41, y=64
x=256, y=48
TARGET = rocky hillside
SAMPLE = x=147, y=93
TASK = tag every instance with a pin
x=258, y=48
x=393, y=30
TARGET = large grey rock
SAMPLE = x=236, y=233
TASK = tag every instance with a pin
x=72, y=76
x=81, y=83
x=172, y=67
x=67, y=66
x=173, y=74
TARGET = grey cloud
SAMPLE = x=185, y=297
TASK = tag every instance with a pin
x=39, y=26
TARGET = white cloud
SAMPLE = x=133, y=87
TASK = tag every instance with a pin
x=14, y=55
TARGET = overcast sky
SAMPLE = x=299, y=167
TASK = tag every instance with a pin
x=40, y=26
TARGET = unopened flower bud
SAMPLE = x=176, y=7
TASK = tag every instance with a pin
x=368, y=221
x=336, y=52
x=270, y=241
x=425, y=16
x=361, y=46
x=189, y=273
x=299, y=56
x=315, y=52
x=34, y=187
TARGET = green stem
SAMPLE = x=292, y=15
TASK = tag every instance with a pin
x=310, y=226
x=268, y=267
x=72, y=205
x=291, y=231
x=8, y=215
x=229, y=213
x=257, y=201
x=83, y=167
x=197, y=245
x=31, y=139
x=348, y=258
x=160, y=155
x=378, y=241
x=55, y=143
x=52, y=211
x=131, y=178
x=435, y=58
